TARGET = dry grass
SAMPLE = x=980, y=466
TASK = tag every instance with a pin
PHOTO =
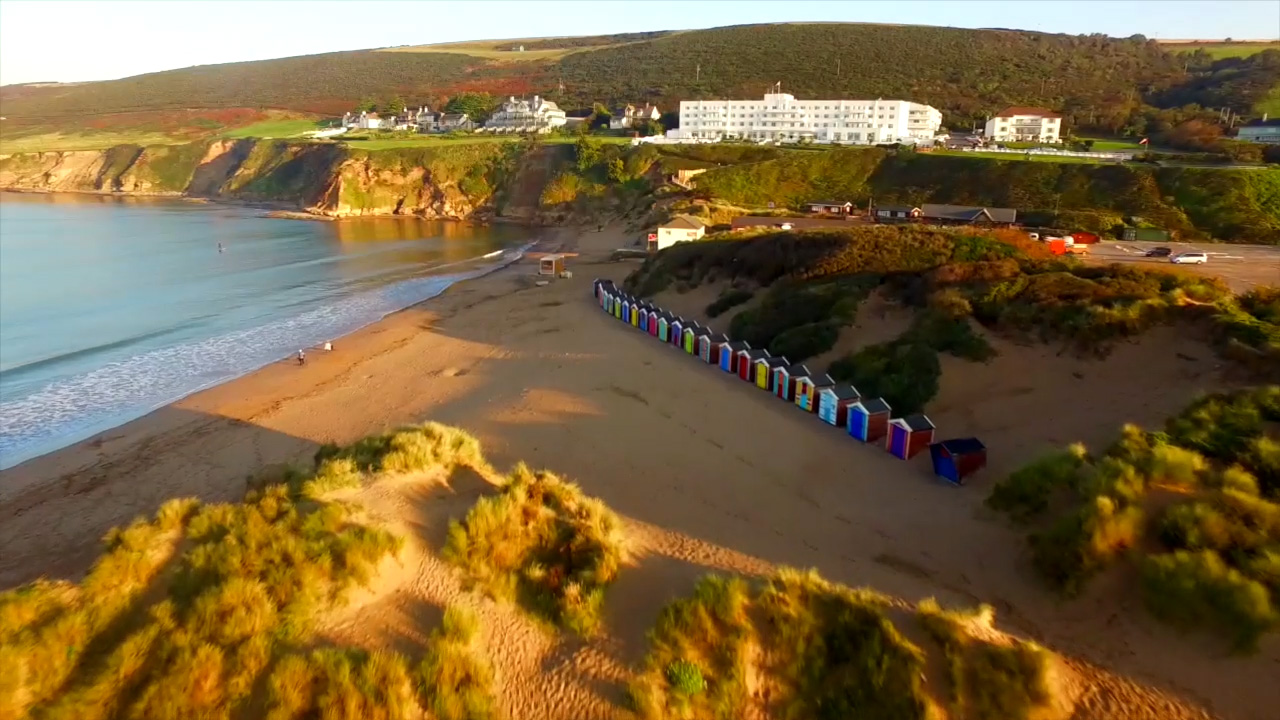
x=989, y=680
x=186, y=614
x=455, y=680
x=544, y=544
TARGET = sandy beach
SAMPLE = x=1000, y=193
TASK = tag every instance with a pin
x=711, y=474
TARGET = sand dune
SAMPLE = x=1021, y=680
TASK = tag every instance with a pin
x=710, y=474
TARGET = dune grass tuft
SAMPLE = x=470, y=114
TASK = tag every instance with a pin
x=544, y=544
x=989, y=681
x=454, y=679
x=341, y=685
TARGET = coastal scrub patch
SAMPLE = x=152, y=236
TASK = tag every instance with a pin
x=544, y=544
x=418, y=448
x=1191, y=500
x=454, y=679
x=341, y=684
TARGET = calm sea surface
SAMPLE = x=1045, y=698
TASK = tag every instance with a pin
x=110, y=307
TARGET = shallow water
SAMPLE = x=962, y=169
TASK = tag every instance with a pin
x=112, y=307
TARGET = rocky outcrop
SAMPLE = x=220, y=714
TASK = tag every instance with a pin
x=448, y=182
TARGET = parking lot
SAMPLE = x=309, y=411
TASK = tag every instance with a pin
x=1243, y=267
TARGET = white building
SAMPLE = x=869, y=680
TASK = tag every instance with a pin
x=538, y=115
x=1025, y=124
x=364, y=121
x=781, y=117
x=1261, y=131
x=680, y=228
x=627, y=117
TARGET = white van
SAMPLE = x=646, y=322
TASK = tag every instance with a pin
x=1189, y=258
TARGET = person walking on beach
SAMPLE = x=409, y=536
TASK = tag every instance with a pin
x=302, y=358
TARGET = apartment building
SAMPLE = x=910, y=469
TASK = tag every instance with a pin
x=782, y=118
x=1025, y=124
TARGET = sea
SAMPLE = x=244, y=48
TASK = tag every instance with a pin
x=112, y=307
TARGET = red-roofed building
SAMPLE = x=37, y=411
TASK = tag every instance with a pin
x=1025, y=124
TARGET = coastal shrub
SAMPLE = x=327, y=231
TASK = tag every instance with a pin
x=1080, y=544
x=1025, y=494
x=1190, y=588
x=789, y=305
x=455, y=679
x=712, y=624
x=346, y=684
x=804, y=341
x=430, y=446
x=903, y=372
x=838, y=653
x=728, y=299
x=988, y=680
x=544, y=544
x=685, y=678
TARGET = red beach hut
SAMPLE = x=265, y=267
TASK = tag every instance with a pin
x=747, y=363
x=729, y=354
x=909, y=435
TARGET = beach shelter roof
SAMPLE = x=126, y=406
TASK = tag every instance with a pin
x=874, y=405
x=843, y=391
x=774, y=362
x=915, y=423
x=757, y=353
x=798, y=371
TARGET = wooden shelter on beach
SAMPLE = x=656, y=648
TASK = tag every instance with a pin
x=909, y=436
x=689, y=342
x=664, y=326
x=655, y=322
x=729, y=354
x=709, y=347
x=644, y=318
x=676, y=334
x=635, y=314
x=869, y=419
x=764, y=371
x=747, y=362
x=784, y=380
x=834, y=402
x=956, y=459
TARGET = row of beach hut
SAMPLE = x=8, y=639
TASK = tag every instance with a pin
x=869, y=420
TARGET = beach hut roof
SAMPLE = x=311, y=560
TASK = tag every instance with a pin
x=704, y=331
x=824, y=381
x=774, y=362
x=963, y=446
x=843, y=391
x=719, y=339
x=798, y=371
x=757, y=353
x=874, y=405
x=736, y=345
x=915, y=423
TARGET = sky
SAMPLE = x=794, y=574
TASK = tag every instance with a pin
x=49, y=40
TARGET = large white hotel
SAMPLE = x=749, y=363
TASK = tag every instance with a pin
x=781, y=117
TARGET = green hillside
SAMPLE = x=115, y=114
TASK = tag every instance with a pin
x=1234, y=206
x=966, y=73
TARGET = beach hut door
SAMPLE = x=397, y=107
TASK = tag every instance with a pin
x=898, y=442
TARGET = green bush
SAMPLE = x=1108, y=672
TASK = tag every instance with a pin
x=1079, y=545
x=729, y=299
x=454, y=679
x=1026, y=493
x=789, y=305
x=544, y=544
x=804, y=341
x=1190, y=588
x=685, y=678
x=903, y=372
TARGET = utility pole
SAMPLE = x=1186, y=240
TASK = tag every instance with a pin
x=697, y=73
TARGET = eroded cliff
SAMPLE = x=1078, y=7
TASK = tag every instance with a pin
x=452, y=182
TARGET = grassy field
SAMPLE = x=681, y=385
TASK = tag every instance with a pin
x=414, y=141
x=1114, y=144
x=1221, y=50
x=57, y=141
x=1024, y=157
x=284, y=127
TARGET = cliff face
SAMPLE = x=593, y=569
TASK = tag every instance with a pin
x=445, y=182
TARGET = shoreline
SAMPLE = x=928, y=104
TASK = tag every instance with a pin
x=516, y=255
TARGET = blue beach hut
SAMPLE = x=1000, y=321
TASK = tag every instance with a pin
x=869, y=419
x=958, y=458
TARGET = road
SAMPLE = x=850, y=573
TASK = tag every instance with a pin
x=1243, y=267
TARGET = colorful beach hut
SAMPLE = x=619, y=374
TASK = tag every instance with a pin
x=958, y=458
x=869, y=419
x=655, y=318
x=784, y=380
x=909, y=435
x=690, y=341
x=676, y=336
x=635, y=314
x=747, y=362
x=709, y=347
x=664, y=327
x=807, y=390
x=764, y=371
x=599, y=287
x=729, y=354
x=619, y=301
x=834, y=402
x=644, y=318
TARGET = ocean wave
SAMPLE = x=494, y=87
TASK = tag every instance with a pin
x=76, y=407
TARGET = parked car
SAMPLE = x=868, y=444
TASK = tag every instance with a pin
x=1158, y=252
x=1189, y=258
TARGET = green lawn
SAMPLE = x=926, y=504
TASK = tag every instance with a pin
x=360, y=143
x=1221, y=50
x=274, y=128
x=1114, y=144
x=62, y=141
x=1023, y=157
